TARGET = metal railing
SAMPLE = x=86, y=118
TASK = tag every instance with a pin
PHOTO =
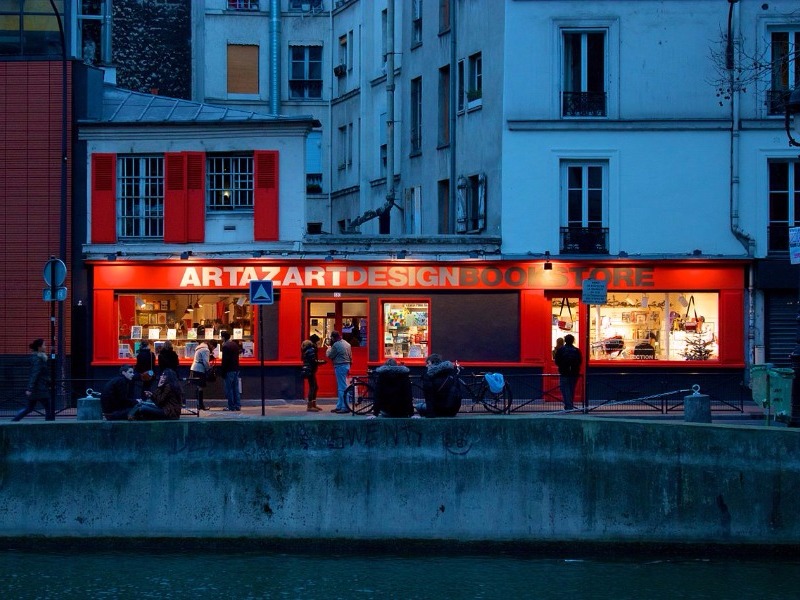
x=584, y=240
x=583, y=104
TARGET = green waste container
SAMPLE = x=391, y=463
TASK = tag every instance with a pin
x=780, y=392
x=758, y=384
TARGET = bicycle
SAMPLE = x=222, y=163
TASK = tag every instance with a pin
x=359, y=396
x=478, y=391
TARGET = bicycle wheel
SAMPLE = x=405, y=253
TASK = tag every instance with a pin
x=499, y=403
x=359, y=397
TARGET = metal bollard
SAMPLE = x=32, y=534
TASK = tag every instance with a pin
x=89, y=408
x=697, y=407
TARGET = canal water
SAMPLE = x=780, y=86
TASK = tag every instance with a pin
x=144, y=574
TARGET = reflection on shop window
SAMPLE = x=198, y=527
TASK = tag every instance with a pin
x=653, y=326
x=183, y=319
x=405, y=329
x=565, y=320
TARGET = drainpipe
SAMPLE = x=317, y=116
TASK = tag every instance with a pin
x=453, y=108
x=744, y=238
x=390, y=104
x=275, y=57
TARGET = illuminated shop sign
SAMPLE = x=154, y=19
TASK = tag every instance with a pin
x=379, y=276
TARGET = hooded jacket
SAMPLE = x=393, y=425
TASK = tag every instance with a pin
x=442, y=392
x=393, y=397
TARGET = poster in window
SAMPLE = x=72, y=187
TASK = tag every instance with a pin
x=172, y=334
x=237, y=333
x=164, y=304
x=136, y=332
x=191, y=333
x=153, y=333
x=162, y=318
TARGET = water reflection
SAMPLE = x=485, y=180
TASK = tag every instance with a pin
x=242, y=575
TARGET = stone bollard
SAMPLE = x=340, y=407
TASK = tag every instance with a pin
x=89, y=408
x=697, y=407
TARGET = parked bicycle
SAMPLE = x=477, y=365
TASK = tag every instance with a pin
x=478, y=391
x=359, y=396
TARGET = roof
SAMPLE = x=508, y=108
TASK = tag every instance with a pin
x=125, y=106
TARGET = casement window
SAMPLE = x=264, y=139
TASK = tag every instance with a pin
x=471, y=204
x=345, y=148
x=305, y=76
x=584, y=207
x=242, y=69
x=445, y=208
x=461, y=96
x=444, y=106
x=167, y=196
x=416, y=115
x=345, y=59
x=229, y=182
x=243, y=4
x=140, y=197
x=584, y=92
x=475, y=80
x=416, y=22
x=305, y=5
x=383, y=145
x=444, y=16
x=785, y=72
x=784, y=202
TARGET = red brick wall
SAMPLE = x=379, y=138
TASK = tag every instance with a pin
x=30, y=198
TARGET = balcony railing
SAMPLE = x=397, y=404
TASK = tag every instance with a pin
x=776, y=101
x=242, y=4
x=584, y=240
x=583, y=104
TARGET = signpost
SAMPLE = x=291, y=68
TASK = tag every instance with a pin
x=55, y=273
x=261, y=293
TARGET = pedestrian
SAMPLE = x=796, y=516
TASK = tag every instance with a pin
x=116, y=399
x=145, y=365
x=198, y=372
x=341, y=355
x=568, y=360
x=308, y=351
x=167, y=358
x=230, y=371
x=38, y=388
x=393, y=395
x=441, y=389
x=165, y=402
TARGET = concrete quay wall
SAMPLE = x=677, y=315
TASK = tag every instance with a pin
x=481, y=479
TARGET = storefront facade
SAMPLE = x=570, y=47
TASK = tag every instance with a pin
x=506, y=315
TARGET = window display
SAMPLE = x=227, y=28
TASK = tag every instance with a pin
x=649, y=326
x=405, y=329
x=183, y=319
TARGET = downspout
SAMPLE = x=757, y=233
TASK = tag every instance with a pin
x=453, y=108
x=330, y=118
x=275, y=57
x=744, y=238
x=390, y=104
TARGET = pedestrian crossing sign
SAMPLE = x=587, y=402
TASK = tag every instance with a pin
x=261, y=292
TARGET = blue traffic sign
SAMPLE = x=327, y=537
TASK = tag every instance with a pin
x=261, y=292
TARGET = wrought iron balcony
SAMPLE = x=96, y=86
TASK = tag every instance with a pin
x=583, y=104
x=584, y=240
x=776, y=101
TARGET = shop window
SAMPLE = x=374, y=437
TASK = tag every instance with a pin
x=140, y=193
x=230, y=182
x=405, y=329
x=184, y=320
x=649, y=326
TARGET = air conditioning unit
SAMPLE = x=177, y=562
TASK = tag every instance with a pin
x=340, y=70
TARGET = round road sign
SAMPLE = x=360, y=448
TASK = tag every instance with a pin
x=55, y=272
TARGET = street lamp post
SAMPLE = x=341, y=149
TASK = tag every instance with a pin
x=793, y=108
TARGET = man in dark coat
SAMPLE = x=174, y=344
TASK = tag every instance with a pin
x=568, y=360
x=38, y=389
x=116, y=398
x=393, y=397
x=441, y=388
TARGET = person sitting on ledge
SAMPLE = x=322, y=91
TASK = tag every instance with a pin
x=393, y=397
x=116, y=398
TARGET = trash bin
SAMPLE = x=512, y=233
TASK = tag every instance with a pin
x=759, y=385
x=780, y=393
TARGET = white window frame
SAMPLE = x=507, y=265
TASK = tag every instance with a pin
x=415, y=128
x=475, y=80
x=229, y=182
x=416, y=22
x=140, y=196
x=309, y=84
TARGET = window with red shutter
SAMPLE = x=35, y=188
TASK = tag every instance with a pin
x=104, y=209
x=265, y=202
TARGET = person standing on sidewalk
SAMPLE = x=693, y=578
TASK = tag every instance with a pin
x=38, y=389
x=308, y=350
x=341, y=355
x=230, y=371
x=568, y=359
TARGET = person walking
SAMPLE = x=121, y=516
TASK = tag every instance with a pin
x=230, y=371
x=341, y=355
x=568, y=360
x=167, y=358
x=308, y=351
x=38, y=389
x=116, y=399
x=198, y=372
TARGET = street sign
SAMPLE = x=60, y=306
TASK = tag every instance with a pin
x=794, y=245
x=595, y=291
x=61, y=294
x=57, y=269
x=261, y=292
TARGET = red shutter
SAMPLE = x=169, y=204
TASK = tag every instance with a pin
x=195, y=196
x=265, y=200
x=175, y=224
x=104, y=198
